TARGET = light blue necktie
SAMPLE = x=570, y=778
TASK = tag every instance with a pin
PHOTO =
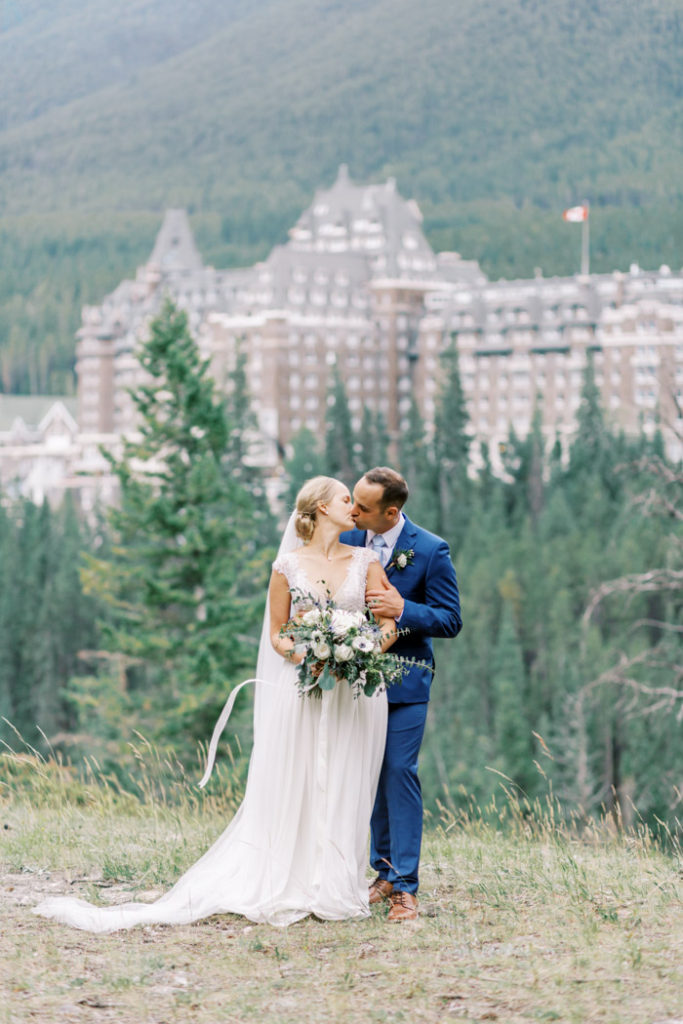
x=379, y=545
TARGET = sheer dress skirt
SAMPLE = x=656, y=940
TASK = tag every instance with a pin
x=298, y=843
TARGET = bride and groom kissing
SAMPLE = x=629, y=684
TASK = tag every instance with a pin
x=323, y=771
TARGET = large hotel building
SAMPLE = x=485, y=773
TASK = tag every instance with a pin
x=358, y=287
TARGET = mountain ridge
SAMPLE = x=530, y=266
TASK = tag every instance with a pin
x=493, y=115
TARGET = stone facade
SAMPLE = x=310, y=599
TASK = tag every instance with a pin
x=357, y=285
x=44, y=454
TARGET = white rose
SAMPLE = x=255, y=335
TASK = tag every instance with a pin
x=321, y=650
x=311, y=617
x=363, y=643
x=401, y=561
x=342, y=621
x=343, y=652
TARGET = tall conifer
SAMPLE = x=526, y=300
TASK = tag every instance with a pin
x=187, y=573
x=341, y=457
x=452, y=452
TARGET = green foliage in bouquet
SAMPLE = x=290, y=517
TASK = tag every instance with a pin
x=340, y=645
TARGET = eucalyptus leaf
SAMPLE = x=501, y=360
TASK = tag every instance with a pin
x=326, y=680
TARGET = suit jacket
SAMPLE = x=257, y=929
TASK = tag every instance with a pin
x=432, y=605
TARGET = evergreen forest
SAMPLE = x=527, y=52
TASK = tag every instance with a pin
x=494, y=115
x=566, y=681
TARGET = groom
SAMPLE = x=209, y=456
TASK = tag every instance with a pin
x=422, y=596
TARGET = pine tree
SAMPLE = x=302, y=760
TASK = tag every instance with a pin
x=510, y=725
x=592, y=455
x=373, y=442
x=6, y=600
x=452, y=451
x=341, y=457
x=187, y=572
x=416, y=460
x=305, y=461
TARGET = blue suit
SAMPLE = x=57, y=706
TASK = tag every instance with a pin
x=432, y=609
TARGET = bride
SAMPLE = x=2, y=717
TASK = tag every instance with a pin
x=297, y=844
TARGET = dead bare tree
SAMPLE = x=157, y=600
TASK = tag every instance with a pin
x=646, y=682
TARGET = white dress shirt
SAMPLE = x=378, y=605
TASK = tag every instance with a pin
x=390, y=536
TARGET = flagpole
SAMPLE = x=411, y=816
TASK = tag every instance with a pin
x=585, y=250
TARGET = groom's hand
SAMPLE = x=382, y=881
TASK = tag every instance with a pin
x=385, y=601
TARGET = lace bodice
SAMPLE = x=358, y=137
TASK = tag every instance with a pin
x=349, y=595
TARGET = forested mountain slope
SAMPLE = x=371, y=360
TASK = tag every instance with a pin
x=492, y=114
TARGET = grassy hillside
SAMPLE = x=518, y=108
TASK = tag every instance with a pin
x=493, y=114
x=520, y=922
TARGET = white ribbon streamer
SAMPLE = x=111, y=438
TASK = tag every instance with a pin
x=220, y=726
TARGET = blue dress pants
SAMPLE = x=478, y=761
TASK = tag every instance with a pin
x=396, y=823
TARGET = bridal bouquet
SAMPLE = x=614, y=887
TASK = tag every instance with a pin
x=348, y=646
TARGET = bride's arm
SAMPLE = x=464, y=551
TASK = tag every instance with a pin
x=377, y=578
x=280, y=608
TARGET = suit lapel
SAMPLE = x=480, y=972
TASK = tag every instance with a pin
x=406, y=540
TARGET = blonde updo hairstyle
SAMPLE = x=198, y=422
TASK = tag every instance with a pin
x=314, y=492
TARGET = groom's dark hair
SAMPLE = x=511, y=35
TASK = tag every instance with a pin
x=395, y=489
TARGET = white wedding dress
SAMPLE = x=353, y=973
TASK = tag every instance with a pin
x=298, y=843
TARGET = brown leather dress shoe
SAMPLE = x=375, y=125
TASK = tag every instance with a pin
x=403, y=906
x=380, y=890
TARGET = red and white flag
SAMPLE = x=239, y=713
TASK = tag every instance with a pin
x=576, y=214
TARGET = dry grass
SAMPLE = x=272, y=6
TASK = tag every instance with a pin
x=521, y=921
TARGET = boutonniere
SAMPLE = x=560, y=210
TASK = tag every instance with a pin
x=400, y=559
